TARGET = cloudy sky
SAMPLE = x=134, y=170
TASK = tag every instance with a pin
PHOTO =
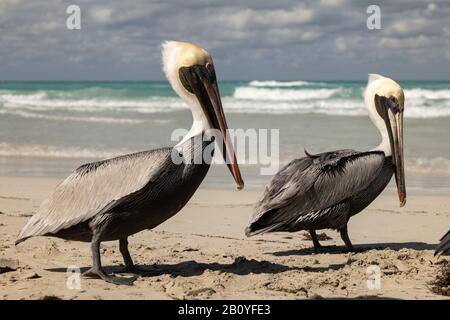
x=283, y=39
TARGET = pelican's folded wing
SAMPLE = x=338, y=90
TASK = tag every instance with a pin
x=444, y=246
x=313, y=183
x=93, y=187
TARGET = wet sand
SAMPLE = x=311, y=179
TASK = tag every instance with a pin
x=202, y=252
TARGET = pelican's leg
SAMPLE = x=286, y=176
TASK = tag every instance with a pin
x=97, y=271
x=346, y=239
x=315, y=240
x=129, y=264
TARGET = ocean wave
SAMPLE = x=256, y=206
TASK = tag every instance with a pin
x=41, y=102
x=6, y=96
x=274, y=83
x=38, y=150
x=249, y=93
x=426, y=112
x=341, y=107
x=32, y=115
x=419, y=93
x=428, y=165
x=421, y=165
x=327, y=107
x=420, y=103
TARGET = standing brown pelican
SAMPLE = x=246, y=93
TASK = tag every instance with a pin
x=115, y=198
x=325, y=190
x=444, y=246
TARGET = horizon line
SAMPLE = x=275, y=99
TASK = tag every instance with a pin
x=223, y=80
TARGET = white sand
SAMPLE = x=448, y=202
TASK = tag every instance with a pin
x=203, y=253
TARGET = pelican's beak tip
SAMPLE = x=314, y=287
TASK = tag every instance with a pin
x=240, y=186
x=402, y=202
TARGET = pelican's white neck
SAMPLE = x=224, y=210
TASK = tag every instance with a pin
x=369, y=101
x=199, y=123
x=385, y=144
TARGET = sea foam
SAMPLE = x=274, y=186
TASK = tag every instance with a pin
x=263, y=97
x=274, y=83
x=249, y=93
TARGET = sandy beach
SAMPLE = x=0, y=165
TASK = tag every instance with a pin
x=360, y=89
x=203, y=253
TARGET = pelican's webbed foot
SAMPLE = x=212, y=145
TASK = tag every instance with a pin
x=97, y=270
x=99, y=273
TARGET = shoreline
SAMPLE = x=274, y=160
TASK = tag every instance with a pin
x=202, y=252
x=218, y=177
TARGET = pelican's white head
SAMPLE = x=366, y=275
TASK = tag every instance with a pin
x=190, y=70
x=385, y=101
x=176, y=55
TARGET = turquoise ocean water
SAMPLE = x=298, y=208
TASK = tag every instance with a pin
x=49, y=128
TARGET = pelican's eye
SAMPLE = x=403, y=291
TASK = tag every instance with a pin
x=393, y=104
x=211, y=72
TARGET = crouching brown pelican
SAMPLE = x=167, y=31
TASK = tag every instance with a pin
x=444, y=245
x=115, y=198
x=325, y=190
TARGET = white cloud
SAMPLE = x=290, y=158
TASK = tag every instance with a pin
x=332, y=3
x=431, y=8
x=274, y=18
x=419, y=41
x=101, y=14
x=341, y=44
x=409, y=26
x=244, y=36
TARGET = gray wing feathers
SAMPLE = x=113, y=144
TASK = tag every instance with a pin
x=314, y=183
x=351, y=174
x=288, y=183
x=93, y=187
x=284, y=185
x=444, y=246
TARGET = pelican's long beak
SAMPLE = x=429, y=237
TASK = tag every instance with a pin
x=393, y=116
x=201, y=80
x=399, y=158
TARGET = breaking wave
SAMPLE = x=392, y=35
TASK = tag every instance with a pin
x=274, y=83
x=40, y=150
x=436, y=165
x=108, y=105
x=264, y=94
x=418, y=93
x=428, y=165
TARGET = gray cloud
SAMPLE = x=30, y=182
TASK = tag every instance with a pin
x=285, y=39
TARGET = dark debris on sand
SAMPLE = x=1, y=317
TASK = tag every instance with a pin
x=7, y=265
x=441, y=284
